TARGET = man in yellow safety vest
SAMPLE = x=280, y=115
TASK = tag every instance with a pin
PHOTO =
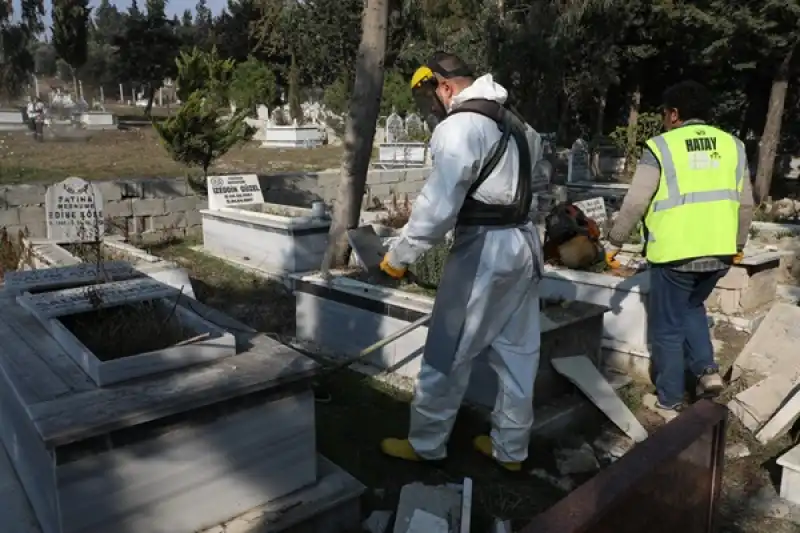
x=692, y=189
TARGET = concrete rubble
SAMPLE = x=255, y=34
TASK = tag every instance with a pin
x=434, y=509
x=770, y=405
x=564, y=484
x=378, y=522
x=611, y=445
x=581, y=460
x=584, y=374
x=737, y=451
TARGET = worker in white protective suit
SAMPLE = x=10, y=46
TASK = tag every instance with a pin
x=488, y=300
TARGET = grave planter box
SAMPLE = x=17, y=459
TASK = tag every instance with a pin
x=169, y=453
x=625, y=324
x=292, y=241
x=206, y=342
x=402, y=154
x=98, y=120
x=346, y=316
x=292, y=137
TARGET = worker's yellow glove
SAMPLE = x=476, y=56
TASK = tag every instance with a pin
x=391, y=270
x=738, y=258
x=611, y=260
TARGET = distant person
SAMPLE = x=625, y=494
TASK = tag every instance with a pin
x=30, y=114
x=693, y=192
x=39, y=112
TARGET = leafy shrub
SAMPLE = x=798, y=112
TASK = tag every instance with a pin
x=253, y=84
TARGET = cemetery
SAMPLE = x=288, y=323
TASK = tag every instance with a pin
x=178, y=357
x=115, y=384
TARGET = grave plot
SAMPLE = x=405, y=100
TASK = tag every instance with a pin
x=240, y=227
x=69, y=244
x=624, y=292
x=122, y=330
x=168, y=452
x=346, y=315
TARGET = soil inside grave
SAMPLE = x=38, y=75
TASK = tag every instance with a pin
x=558, y=311
x=288, y=211
x=126, y=330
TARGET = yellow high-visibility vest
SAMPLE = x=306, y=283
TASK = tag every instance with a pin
x=695, y=212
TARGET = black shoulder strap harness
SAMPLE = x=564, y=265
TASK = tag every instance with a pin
x=476, y=213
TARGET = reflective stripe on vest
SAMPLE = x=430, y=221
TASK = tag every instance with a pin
x=674, y=196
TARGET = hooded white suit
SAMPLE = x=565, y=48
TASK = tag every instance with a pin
x=488, y=300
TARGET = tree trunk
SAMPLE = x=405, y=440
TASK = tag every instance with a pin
x=768, y=145
x=633, y=126
x=362, y=120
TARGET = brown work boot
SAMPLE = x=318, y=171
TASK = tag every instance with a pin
x=710, y=384
x=667, y=412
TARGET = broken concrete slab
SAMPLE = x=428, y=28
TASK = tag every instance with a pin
x=766, y=352
x=781, y=422
x=580, y=460
x=737, y=451
x=611, y=446
x=425, y=522
x=581, y=371
x=420, y=500
x=790, y=477
x=756, y=405
x=378, y=521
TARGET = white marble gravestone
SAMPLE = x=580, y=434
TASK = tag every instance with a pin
x=227, y=191
x=395, y=129
x=74, y=211
x=578, y=169
x=414, y=127
x=594, y=208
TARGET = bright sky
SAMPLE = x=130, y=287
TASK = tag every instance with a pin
x=174, y=7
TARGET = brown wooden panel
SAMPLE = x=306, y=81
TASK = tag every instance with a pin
x=666, y=484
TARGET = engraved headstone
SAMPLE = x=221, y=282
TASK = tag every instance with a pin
x=225, y=191
x=578, y=169
x=594, y=208
x=395, y=130
x=82, y=299
x=414, y=127
x=74, y=211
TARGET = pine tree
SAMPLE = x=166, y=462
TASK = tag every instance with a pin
x=295, y=105
x=71, y=32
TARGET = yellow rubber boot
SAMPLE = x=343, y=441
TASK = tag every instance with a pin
x=400, y=449
x=483, y=444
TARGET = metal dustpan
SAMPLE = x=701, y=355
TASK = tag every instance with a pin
x=367, y=247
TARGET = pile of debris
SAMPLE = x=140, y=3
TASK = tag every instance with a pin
x=769, y=374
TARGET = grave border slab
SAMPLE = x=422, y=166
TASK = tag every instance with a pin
x=219, y=345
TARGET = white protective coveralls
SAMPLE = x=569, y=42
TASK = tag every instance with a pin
x=488, y=299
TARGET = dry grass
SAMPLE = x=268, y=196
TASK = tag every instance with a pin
x=12, y=251
x=137, y=153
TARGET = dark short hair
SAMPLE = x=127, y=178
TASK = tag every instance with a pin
x=450, y=63
x=690, y=99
